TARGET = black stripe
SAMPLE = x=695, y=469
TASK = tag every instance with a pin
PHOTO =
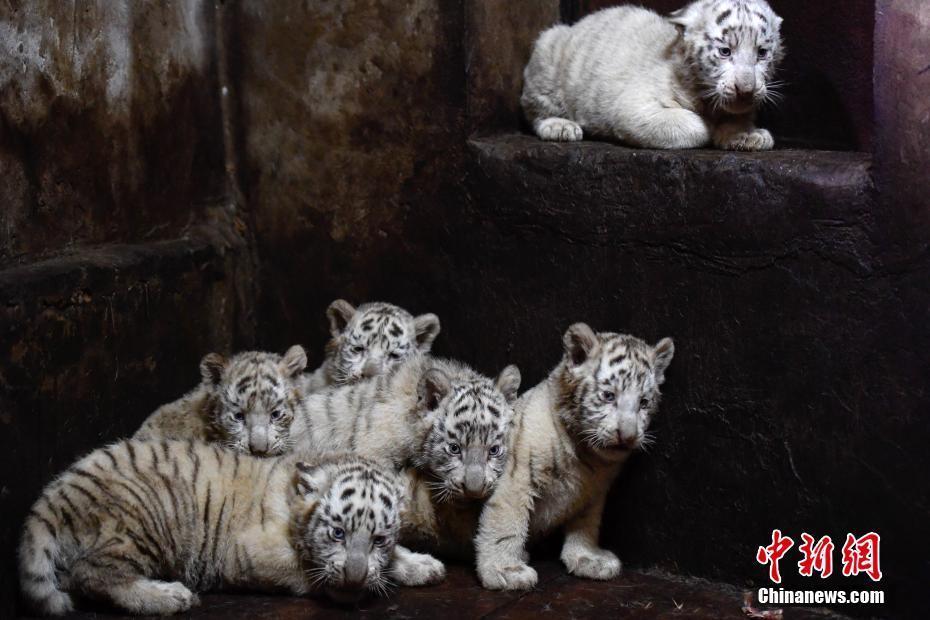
x=206, y=522
x=28, y=575
x=177, y=512
x=143, y=548
x=216, y=531
x=112, y=458
x=136, y=512
x=154, y=505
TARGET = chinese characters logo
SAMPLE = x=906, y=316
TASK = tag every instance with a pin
x=859, y=555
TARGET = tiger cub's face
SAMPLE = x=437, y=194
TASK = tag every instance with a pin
x=610, y=385
x=470, y=420
x=255, y=398
x=734, y=46
x=349, y=524
x=372, y=339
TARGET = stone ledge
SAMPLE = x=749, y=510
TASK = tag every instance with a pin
x=632, y=595
x=93, y=341
x=103, y=265
x=738, y=210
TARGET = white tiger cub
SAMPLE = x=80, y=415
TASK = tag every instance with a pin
x=572, y=433
x=438, y=415
x=145, y=525
x=368, y=341
x=245, y=402
x=685, y=81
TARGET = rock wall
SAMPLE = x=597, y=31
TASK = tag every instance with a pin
x=122, y=256
x=352, y=138
x=182, y=177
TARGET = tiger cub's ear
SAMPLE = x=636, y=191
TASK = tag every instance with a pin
x=339, y=313
x=684, y=18
x=294, y=361
x=311, y=481
x=211, y=368
x=663, y=353
x=434, y=386
x=579, y=341
x=508, y=382
x=427, y=328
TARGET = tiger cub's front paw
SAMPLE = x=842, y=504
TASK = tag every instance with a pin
x=597, y=564
x=559, y=130
x=514, y=575
x=418, y=569
x=755, y=139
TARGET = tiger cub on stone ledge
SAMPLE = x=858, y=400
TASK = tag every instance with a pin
x=691, y=79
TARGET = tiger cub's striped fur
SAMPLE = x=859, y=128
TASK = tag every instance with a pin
x=572, y=433
x=368, y=341
x=438, y=522
x=245, y=403
x=693, y=78
x=438, y=415
x=145, y=525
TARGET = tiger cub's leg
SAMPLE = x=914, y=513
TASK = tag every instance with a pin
x=500, y=544
x=581, y=554
x=740, y=134
x=115, y=581
x=416, y=569
x=558, y=129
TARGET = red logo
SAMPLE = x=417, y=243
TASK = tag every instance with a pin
x=860, y=555
x=817, y=557
x=773, y=553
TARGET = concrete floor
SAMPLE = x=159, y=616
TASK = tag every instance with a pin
x=633, y=595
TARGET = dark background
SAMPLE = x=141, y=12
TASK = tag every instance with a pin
x=365, y=149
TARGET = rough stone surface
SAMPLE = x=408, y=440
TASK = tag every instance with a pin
x=499, y=39
x=122, y=258
x=633, y=595
x=796, y=399
x=797, y=292
x=108, y=124
x=828, y=69
x=353, y=143
x=902, y=78
x=95, y=341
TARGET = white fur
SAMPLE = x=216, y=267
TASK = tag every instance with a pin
x=630, y=74
x=576, y=499
x=416, y=569
x=572, y=434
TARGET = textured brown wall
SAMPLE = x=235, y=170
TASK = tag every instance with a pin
x=108, y=123
x=828, y=69
x=499, y=37
x=902, y=170
x=353, y=137
x=122, y=258
x=902, y=102
x=351, y=120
